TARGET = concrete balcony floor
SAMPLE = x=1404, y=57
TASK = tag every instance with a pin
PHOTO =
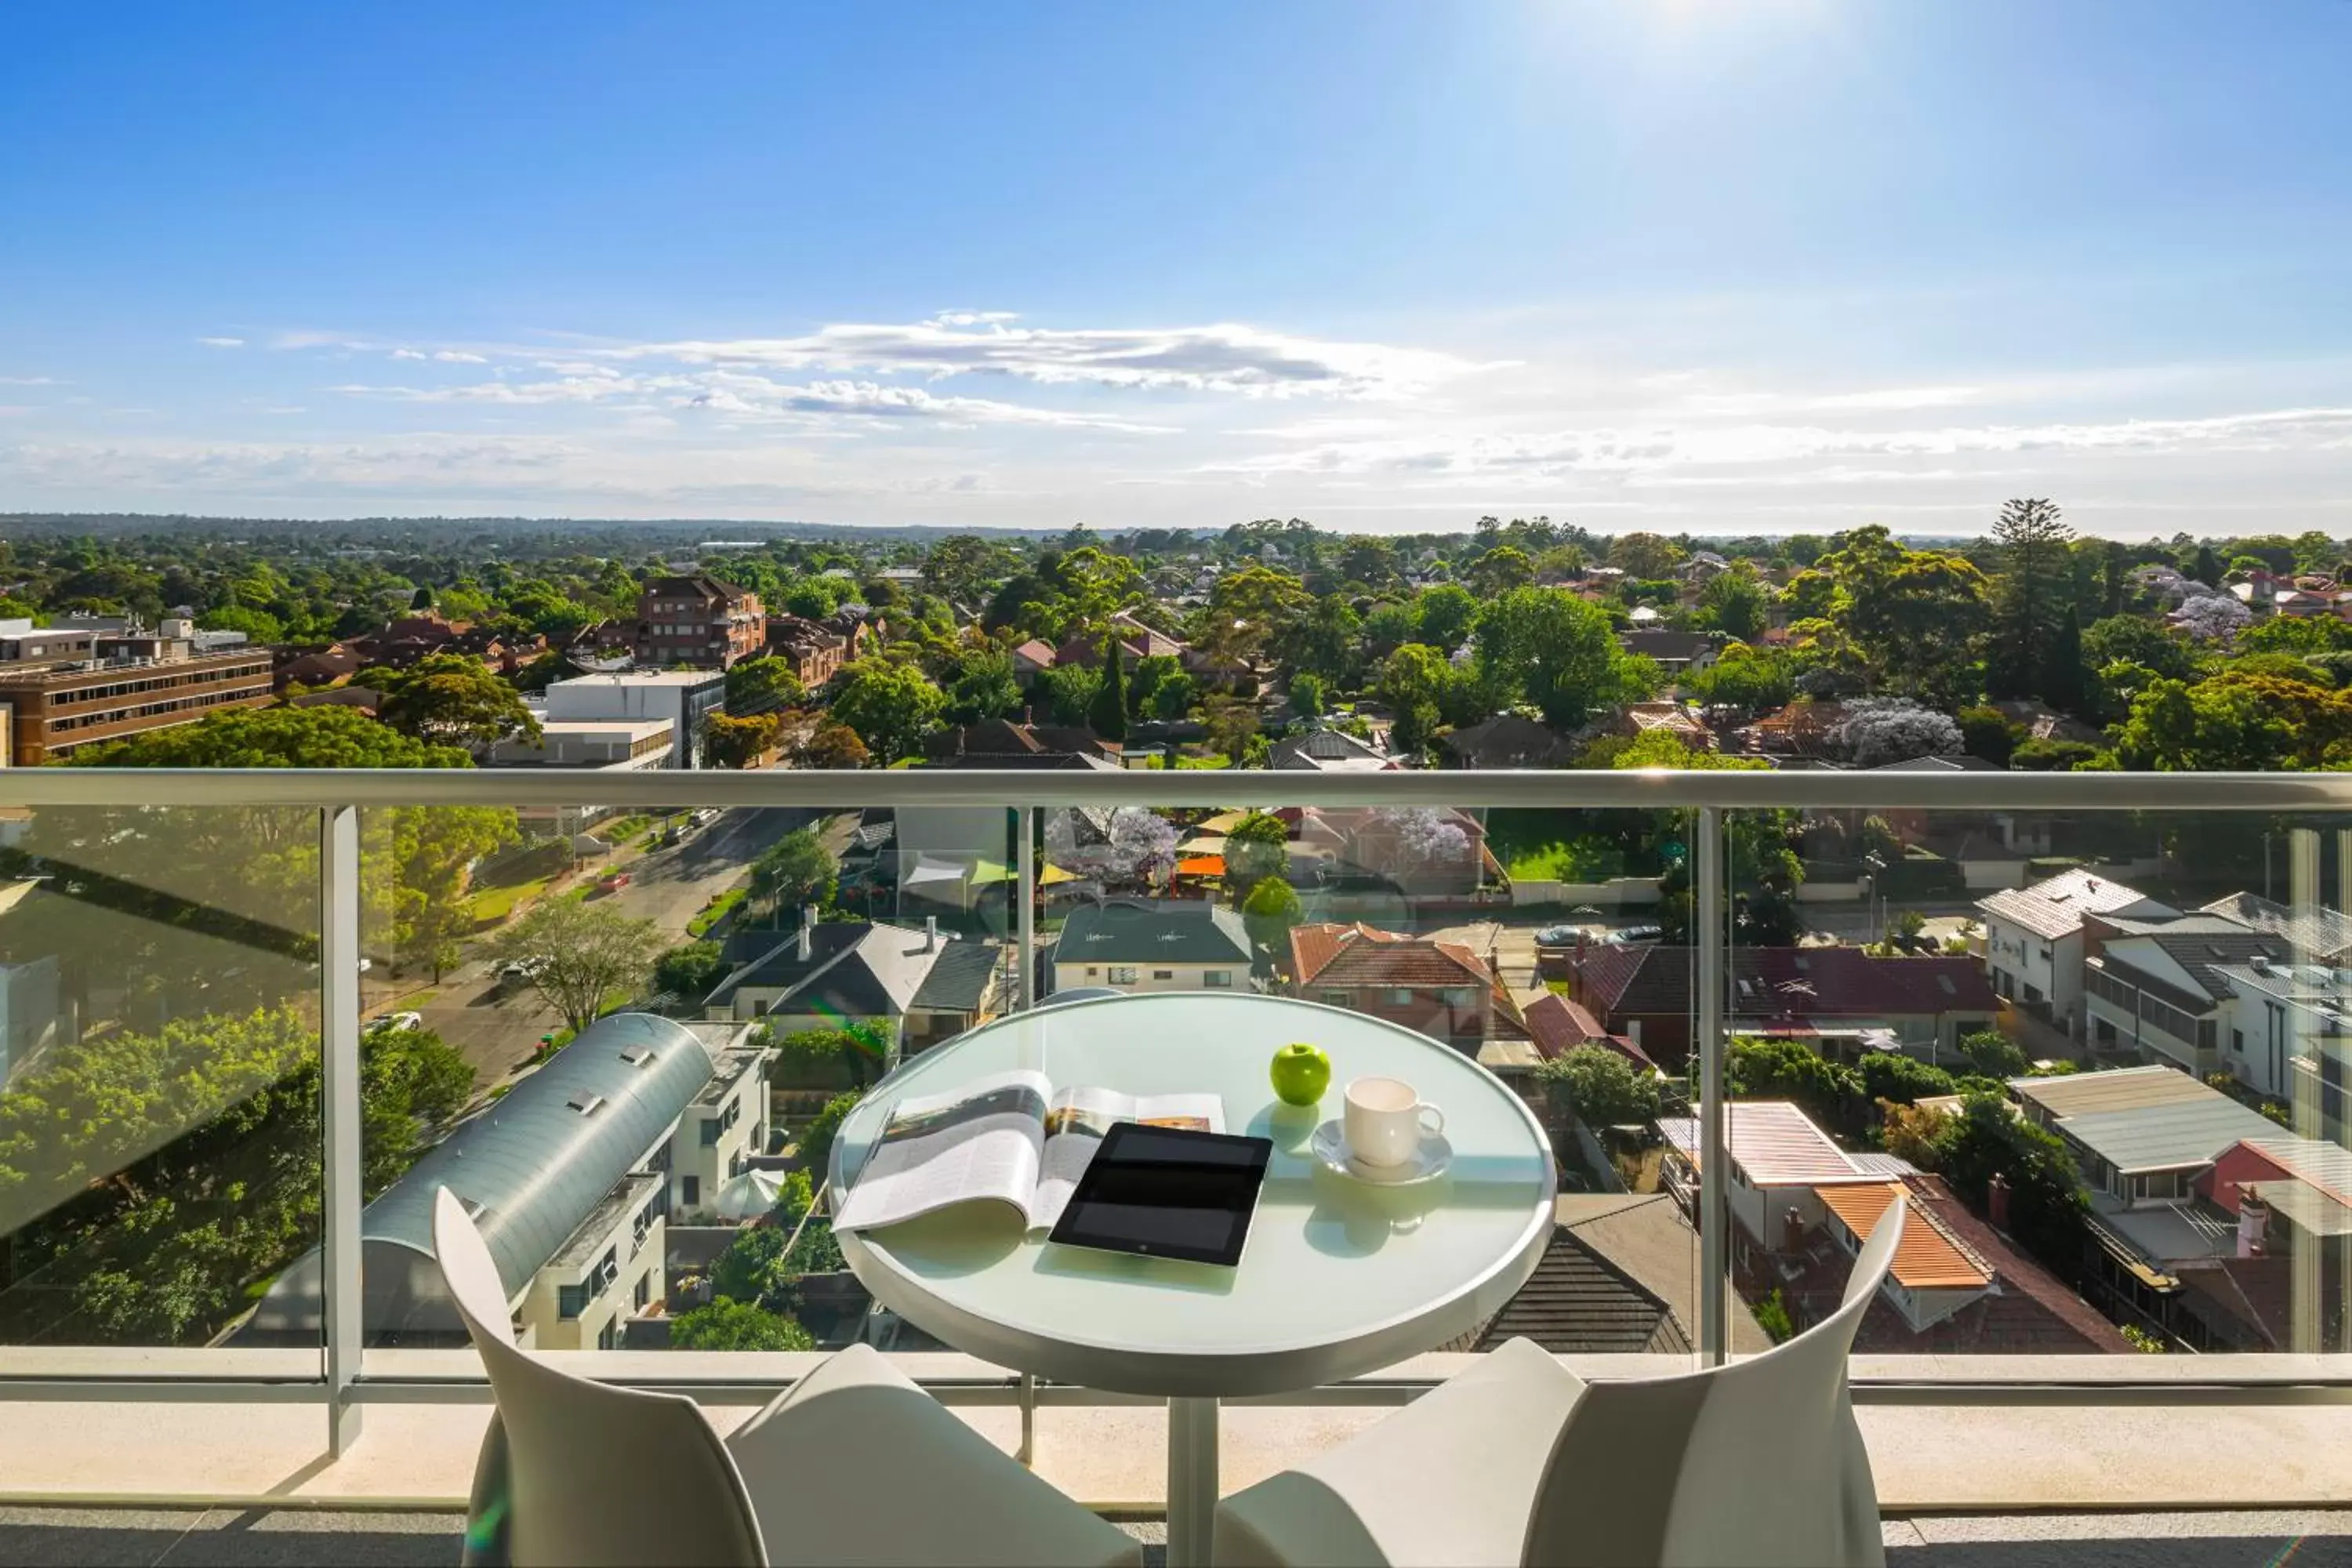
x=67, y=1538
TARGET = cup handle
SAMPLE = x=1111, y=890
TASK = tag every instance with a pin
x=1424, y=1108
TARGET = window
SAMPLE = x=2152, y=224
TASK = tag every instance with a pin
x=711, y=1133
x=1163, y=975
x=1335, y=998
x=609, y=1335
x=1401, y=997
x=2238, y=1041
x=689, y=1190
x=569, y=1300
x=1217, y=979
x=645, y=1292
x=1121, y=974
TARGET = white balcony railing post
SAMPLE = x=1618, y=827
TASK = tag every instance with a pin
x=339, y=1018
x=1714, y=1216
x=1024, y=821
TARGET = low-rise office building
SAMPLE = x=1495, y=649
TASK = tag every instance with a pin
x=56, y=709
x=682, y=697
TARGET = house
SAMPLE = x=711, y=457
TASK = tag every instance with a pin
x=1506, y=741
x=1440, y=988
x=1958, y=1286
x=815, y=652
x=1633, y=719
x=2315, y=934
x=830, y=974
x=964, y=989
x=1676, y=653
x=681, y=698
x=699, y=621
x=1558, y=1026
x=1329, y=751
x=1153, y=944
x=721, y=1129
x=2033, y=940
x=1030, y=660
x=564, y=1175
x=2141, y=1135
x=1832, y=996
x=994, y=739
x=1782, y=1164
x=2159, y=988
x=1422, y=852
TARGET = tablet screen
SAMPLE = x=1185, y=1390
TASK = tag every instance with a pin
x=1166, y=1193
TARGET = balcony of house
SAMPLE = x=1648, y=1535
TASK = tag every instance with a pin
x=254, y=1027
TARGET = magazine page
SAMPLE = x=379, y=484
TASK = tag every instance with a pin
x=1077, y=1122
x=983, y=1140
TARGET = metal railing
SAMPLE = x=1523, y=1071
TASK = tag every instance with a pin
x=344, y=1385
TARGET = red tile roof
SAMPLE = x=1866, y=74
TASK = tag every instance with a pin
x=1786, y=982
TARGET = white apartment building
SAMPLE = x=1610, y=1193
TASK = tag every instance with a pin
x=681, y=698
x=719, y=1133
x=2033, y=940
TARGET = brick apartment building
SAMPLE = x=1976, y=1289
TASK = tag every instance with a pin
x=698, y=621
x=148, y=683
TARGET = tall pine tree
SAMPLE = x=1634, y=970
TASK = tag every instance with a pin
x=2033, y=543
x=2062, y=684
x=1108, y=713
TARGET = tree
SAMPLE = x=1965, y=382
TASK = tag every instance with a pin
x=1069, y=691
x=1560, y=653
x=1444, y=615
x=1751, y=679
x=1646, y=557
x=1914, y=616
x=450, y=698
x=1107, y=712
x=892, y=707
x=817, y=1138
x=1258, y=847
x=1601, y=1087
x=795, y=871
x=1994, y=1054
x=1766, y=870
x=730, y=1325
x=2131, y=639
x=689, y=971
x=859, y=1050
x=1144, y=680
x=2047, y=1205
x=731, y=743
x=1876, y=730
x=762, y=684
x=979, y=683
x=2215, y=618
x=1736, y=602
x=1790, y=1070
x=423, y=598
x=1269, y=911
x=1232, y=723
x=1248, y=610
x=581, y=957
x=1986, y=733
x=751, y=1270
x=1413, y=683
x=833, y=745
x=1308, y=699
x=1499, y=571
x=1899, y=1079
x=1173, y=697
x=2030, y=541
x=2206, y=567
x=2235, y=723
x=2063, y=683
x=323, y=737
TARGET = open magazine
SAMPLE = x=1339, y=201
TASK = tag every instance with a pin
x=1011, y=1138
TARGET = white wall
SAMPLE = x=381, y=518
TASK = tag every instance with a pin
x=1180, y=977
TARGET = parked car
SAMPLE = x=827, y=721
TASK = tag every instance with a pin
x=613, y=882
x=1637, y=933
x=392, y=1022
x=1559, y=936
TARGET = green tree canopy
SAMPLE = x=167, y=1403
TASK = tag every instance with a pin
x=892, y=707
x=1560, y=653
x=581, y=957
x=732, y=1325
x=1601, y=1087
x=452, y=700
x=796, y=870
x=763, y=684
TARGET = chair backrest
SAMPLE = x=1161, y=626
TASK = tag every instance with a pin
x=1758, y=1461
x=595, y=1474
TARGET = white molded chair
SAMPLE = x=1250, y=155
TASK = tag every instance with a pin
x=1519, y=1460
x=854, y=1464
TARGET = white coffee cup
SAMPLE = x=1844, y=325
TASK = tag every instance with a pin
x=1382, y=1120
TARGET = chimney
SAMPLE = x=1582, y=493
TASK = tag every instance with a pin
x=2254, y=1223
x=931, y=933
x=808, y=932
x=1997, y=1202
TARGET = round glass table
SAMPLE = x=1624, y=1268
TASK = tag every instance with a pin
x=1338, y=1277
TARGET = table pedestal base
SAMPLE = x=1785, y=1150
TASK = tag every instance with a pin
x=1191, y=1481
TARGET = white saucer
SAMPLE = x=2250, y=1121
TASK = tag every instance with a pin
x=1430, y=1158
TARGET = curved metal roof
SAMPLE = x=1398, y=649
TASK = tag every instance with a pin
x=536, y=1164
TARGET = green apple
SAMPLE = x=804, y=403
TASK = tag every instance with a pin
x=1301, y=1073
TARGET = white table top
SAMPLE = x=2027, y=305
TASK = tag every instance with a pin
x=1338, y=1278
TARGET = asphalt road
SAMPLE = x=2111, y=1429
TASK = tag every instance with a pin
x=497, y=1027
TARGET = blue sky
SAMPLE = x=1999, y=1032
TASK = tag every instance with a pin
x=1714, y=265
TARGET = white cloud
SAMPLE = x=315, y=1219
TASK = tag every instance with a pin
x=457, y=356
x=32, y=381
x=732, y=392
x=222, y=342
x=1224, y=357
x=406, y=353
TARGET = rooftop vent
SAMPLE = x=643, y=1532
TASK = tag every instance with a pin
x=637, y=1055
x=585, y=1104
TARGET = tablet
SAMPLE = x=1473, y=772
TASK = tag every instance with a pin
x=1164, y=1192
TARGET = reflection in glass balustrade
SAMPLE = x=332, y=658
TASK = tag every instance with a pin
x=160, y=1130
x=2101, y=1051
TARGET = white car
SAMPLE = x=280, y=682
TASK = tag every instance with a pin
x=392, y=1022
